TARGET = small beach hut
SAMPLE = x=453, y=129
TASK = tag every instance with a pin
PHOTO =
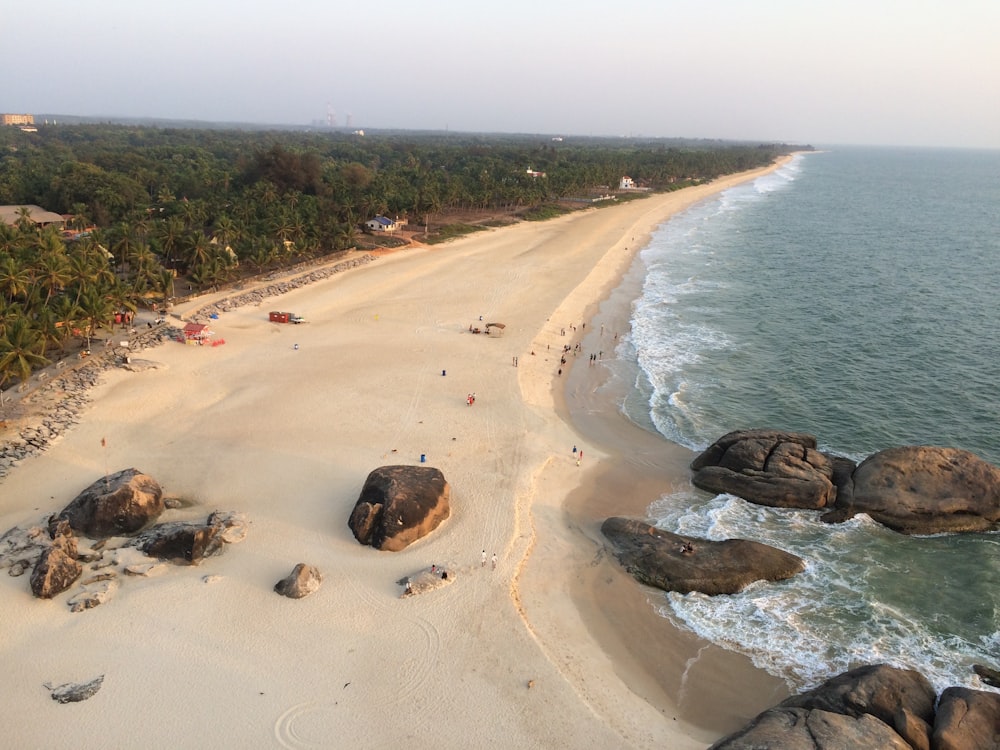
x=196, y=333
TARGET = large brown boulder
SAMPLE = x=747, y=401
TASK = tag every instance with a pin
x=398, y=505
x=874, y=706
x=678, y=563
x=967, y=720
x=924, y=490
x=118, y=505
x=768, y=467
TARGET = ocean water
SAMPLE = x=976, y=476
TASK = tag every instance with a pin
x=852, y=295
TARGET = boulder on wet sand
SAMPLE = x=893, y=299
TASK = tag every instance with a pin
x=399, y=505
x=768, y=467
x=118, y=505
x=923, y=490
x=678, y=563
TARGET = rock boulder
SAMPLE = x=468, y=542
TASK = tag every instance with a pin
x=191, y=542
x=924, y=490
x=967, y=720
x=768, y=467
x=302, y=581
x=875, y=706
x=678, y=563
x=399, y=505
x=119, y=505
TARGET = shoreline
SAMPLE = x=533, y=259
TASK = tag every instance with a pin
x=285, y=434
x=707, y=690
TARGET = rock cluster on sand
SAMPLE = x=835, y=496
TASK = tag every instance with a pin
x=57, y=561
x=678, y=563
x=910, y=489
x=875, y=707
x=398, y=505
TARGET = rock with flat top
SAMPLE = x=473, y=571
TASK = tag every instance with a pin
x=684, y=564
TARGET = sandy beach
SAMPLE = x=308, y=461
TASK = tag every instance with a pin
x=283, y=423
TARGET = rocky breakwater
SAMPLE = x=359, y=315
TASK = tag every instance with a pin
x=277, y=288
x=55, y=406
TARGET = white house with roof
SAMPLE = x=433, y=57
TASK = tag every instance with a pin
x=627, y=183
x=381, y=224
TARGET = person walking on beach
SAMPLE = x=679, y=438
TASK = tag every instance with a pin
x=494, y=561
x=483, y=565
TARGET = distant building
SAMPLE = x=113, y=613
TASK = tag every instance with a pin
x=381, y=224
x=532, y=173
x=627, y=183
x=9, y=119
x=11, y=214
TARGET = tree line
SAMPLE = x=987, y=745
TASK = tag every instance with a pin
x=162, y=202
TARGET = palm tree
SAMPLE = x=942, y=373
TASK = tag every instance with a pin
x=15, y=278
x=164, y=284
x=21, y=350
x=52, y=274
x=96, y=310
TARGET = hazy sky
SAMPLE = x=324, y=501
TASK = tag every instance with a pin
x=900, y=72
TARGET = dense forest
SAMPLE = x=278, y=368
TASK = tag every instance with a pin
x=150, y=204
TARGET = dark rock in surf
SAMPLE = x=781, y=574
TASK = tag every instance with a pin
x=924, y=490
x=678, y=563
x=768, y=467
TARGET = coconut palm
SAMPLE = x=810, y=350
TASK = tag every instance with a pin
x=52, y=274
x=15, y=278
x=22, y=349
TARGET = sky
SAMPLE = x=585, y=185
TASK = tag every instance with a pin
x=873, y=72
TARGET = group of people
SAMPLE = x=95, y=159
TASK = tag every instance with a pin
x=483, y=560
x=470, y=399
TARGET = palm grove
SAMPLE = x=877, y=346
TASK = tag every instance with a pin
x=208, y=205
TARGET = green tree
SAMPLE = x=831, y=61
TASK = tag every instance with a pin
x=22, y=349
